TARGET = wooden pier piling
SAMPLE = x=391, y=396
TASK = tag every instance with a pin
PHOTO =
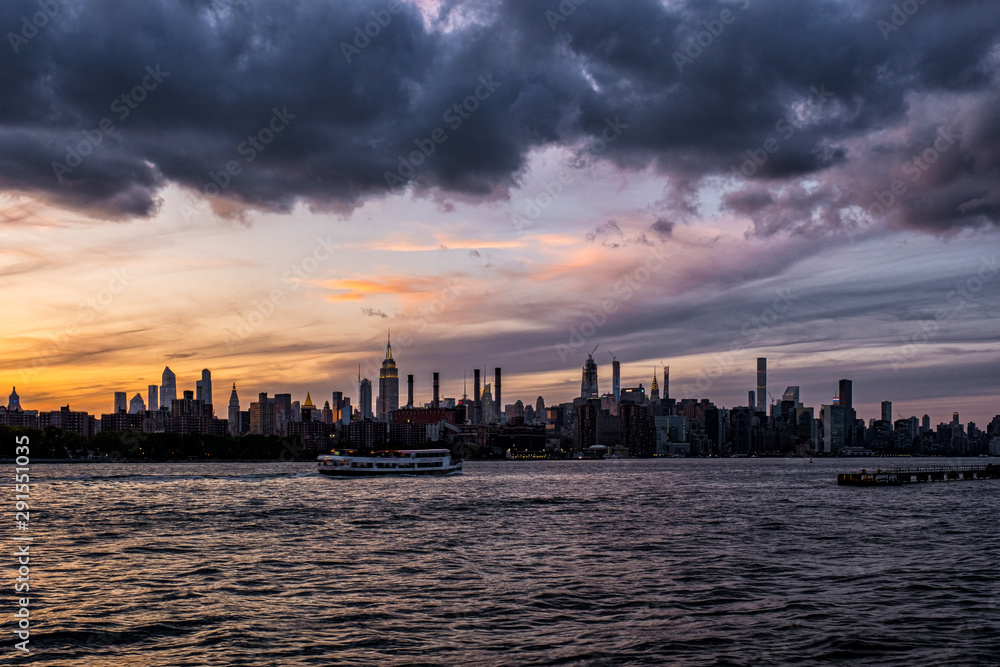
x=899, y=476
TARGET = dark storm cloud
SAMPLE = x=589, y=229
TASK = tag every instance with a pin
x=813, y=108
x=662, y=227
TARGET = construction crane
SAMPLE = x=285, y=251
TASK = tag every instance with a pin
x=591, y=355
x=613, y=357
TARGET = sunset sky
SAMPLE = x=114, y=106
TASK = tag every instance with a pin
x=688, y=183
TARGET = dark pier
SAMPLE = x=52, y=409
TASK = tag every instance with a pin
x=898, y=476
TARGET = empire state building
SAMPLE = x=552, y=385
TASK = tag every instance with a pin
x=388, y=386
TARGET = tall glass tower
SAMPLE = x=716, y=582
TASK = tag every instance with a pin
x=168, y=388
x=365, y=398
x=616, y=379
x=762, y=384
x=206, y=386
x=588, y=387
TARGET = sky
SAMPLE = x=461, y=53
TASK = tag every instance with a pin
x=268, y=189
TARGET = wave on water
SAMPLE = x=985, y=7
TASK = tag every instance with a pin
x=728, y=562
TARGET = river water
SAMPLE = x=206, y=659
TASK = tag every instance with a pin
x=622, y=562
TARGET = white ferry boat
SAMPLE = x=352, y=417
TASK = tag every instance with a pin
x=350, y=463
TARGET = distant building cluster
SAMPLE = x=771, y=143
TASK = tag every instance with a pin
x=627, y=422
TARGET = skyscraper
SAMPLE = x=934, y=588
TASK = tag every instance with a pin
x=654, y=390
x=307, y=411
x=846, y=394
x=616, y=379
x=121, y=402
x=282, y=412
x=789, y=404
x=153, y=396
x=206, y=386
x=477, y=400
x=337, y=405
x=262, y=415
x=497, y=405
x=365, y=398
x=234, y=413
x=588, y=386
x=834, y=428
x=388, y=385
x=762, y=384
x=665, y=391
x=136, y=406
x=791, y=395
x=845, y=399
x=168, y=388
x=887, y=411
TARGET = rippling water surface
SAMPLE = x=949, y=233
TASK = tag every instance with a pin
x=689, y=562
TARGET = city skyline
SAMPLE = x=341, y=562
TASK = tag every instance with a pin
x=865, y=409
x=596, y=177
x=603, y=310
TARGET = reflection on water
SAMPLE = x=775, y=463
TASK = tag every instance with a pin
x=739, y=562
